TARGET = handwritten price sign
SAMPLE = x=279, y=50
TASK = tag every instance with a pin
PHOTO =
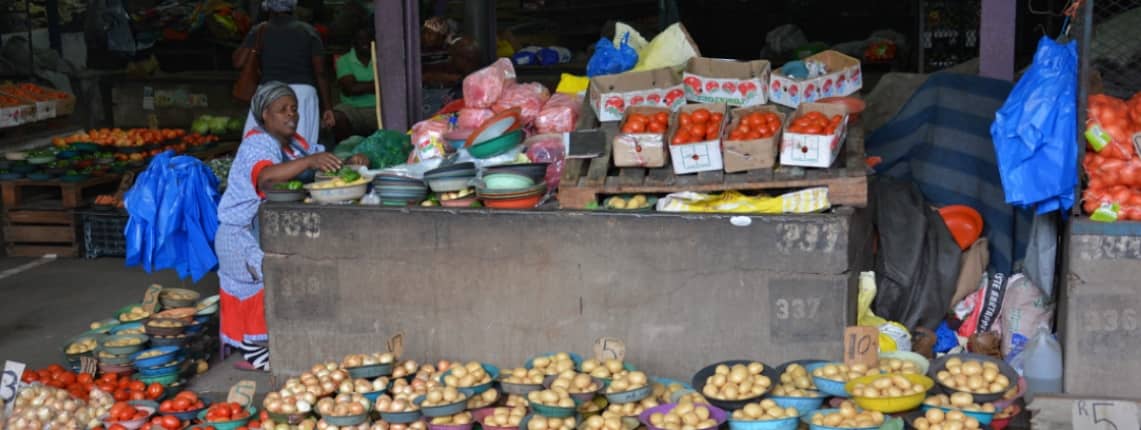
x=10, y=382
x=1105, y=415
x=862, y=346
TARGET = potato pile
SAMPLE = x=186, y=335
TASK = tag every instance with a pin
x=553, y=364
x=796, y=376
x=441, y=396
x=454, y=420
x=764, y=411
x=962, y=401
x=638, y=201
x=400, y=403
x=603, y=422
x=514, y=401
x=576, y=383
x=936, y=419
x=134, y=313
x=483, y=399
x=691, y=397
x=887, y=386
x=790, y=391
x=382, y=425
x=737, y=383
x=895, y=365
x=521, y=375
x=149, y=354
x=631, y=409
x=627, y=381
x=132, y=330
x=843, y=373
x=82, y=346
x=557, y=397
x=165, y=323
x=505, y=417
x=343, y=405
x=358, y=360
x=362, y=386
x=663, y=392
x=848, y=417
x=539, y=422
x=603, y=369
x=468, y=375
x=684, y=416
x=973, y=376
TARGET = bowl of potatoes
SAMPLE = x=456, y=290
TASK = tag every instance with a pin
x=441, y=402
x=609, y=421
x=631, y=203
x=796, y=389
x=903, y=362
x=889, y=393
x=830, y=378
x=582, y=387
x=460, y=421
x=846, y=417
x=554, y=402
x=164, y=326
x=178, y=298
x=987, y=378
x=938, y=419
x=729, y=385
x=678, y=416
x=82, y=346
x=520, y=381
x=628, y=387
x=123, y=344
x=471, y=378
x=764, y=415
x=132, y=313
x=964, y=402
x=539, y=422
x=500, y=418
x=554, y=363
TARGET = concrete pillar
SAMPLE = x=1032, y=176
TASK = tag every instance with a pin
x=479, y=23
x=398, y=61
x=996, y=43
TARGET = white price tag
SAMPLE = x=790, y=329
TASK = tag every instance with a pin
x=10, y=382
x=1105, y=415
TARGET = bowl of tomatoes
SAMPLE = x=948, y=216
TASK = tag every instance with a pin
x=127, y=416
x=164, y=422
x=226, y=415
x=185, y=406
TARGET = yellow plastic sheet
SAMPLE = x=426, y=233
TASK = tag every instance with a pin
x=804, y=201
x=893, y=335
x=572, y=84
x=672, y=48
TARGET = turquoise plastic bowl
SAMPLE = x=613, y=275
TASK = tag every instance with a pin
x=497, y=145
x=807, y=419
x=827, y=386
x=228, y=425
x=781, y=424
x=802, y=404
x=491, y=370
x=507, y=181
x=984, y=418
x=552, y=411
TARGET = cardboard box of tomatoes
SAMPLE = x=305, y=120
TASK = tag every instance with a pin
x=735, y=83
x=814, y=136
x=841, y=77
x=611, y=95
x=641, y=138
x=753, y=136
x=695, y=138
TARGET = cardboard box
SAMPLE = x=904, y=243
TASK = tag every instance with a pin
x=33, y=110
x=640, y=149
x=810, y=150
x=843, y=78
x=10, y=116
x=742, y=155
x=701, y=156
x=736, y=83
x=610, y=95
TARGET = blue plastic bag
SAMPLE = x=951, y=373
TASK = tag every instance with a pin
x=608, y=60
x=1035, y=130
x=173, y=209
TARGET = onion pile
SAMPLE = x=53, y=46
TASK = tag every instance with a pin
x=381, y=425
x=441, y=396
x=322, y=425
x=343, y=405
x=505, y=417
x=37, y=407
x=362, y=386
x=455, y=420
x=293, y=398
x=405, y=368
x=483, y=400
x=468, y=375
x=358, y=360
x=399, y=403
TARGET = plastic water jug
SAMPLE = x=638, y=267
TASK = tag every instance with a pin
x=1042, y=367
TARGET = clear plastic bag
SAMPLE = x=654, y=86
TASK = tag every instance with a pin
x=483, y=87
x=472, y=118
x=428, y=139
x=529, y=98
x=548, y=148
x=559, y=114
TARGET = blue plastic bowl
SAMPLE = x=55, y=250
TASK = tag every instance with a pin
x=169, y=354
x=491, y=370
x=577, y=359
x=440, y=411
x=125, y=326
x=551, y=411
x=630, y=396
x=372, y=396
x=155, y=372
x=807, y=419
x=802, y=404
x=826, y=386
x=781, y=424
x=984, y=418
x=400, y=417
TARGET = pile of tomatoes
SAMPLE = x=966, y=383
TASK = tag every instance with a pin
x=697, y=126
x=639, y=123
x=79, y=385
x=226, y=411
x=123, y=411
x=756, y=125
x=815, y=123
x=182, y=402
x=164, y=422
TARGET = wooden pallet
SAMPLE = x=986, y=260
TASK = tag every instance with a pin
x=34, y=233
x=71, y=193
x=583, y=181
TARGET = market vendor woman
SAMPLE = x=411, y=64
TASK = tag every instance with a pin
x=271, y=153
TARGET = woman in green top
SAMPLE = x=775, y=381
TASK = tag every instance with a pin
x=356, y=114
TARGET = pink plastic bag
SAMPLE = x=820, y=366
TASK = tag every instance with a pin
x=428, y=139
x=547, y=148
x=529, y=98
x=560, y=114
x=472, y=118
x=483, y=87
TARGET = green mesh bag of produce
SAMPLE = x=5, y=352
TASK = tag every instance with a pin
x=384, y=149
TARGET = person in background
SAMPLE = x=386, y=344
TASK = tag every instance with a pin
x=291, y=52
x=271, y=153
x=356, y=114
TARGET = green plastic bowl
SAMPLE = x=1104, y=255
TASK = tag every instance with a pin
x=165, y=380
x=228, y=425
x=497, y=145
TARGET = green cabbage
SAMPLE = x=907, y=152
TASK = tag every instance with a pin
x=219, y=124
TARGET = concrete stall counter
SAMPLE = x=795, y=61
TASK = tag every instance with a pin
x=497, y=286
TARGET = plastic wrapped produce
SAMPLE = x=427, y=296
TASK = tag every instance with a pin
x=472, y=118
x=529, y=98
x=559, y=114
x=547, y=148
x=483, y=87
x=428, y=139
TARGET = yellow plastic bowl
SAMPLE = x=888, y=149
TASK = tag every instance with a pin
x=889, y=405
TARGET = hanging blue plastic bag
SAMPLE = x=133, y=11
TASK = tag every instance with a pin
x=1034, y=131
x=608, y=60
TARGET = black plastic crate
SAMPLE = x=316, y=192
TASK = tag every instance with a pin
x=103, y=233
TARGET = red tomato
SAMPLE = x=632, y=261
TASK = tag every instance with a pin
x=167, y=406
x=85, y=378
x=680, y=137
x=701, y=116
x=171, y=422
x=713, y=131
x=662, y=117
x=685, y=119
x=634, y=127
x=657, y=127
x=697, y=130
x=138, y=395
x=116, y=427
x=736, y=135
x=716, y=117
x=155, y=390
x=137, y=386
x=181, y=404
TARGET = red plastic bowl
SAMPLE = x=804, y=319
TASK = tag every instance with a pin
x=527, y=202
x=965, y=223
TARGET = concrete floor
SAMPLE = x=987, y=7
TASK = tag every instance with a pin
x=48, y=302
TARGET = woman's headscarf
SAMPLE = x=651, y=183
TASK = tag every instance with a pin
x=279, y=5
x=266, y=94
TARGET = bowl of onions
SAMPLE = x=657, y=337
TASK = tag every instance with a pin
x=500, y=418
x=288, y=406
x=344, y=410
x=397, y=410
x=471, y=378
x=369, y=366
x=460, y=421
x=520, y=381
x=441, y=402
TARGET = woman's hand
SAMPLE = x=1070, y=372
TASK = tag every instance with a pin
x=328, y=119
x=358, y=160
x=324, y=162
